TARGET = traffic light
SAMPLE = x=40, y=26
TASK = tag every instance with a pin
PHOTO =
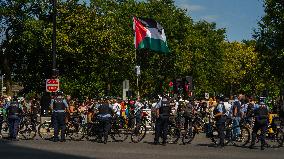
x=179, y=86
x=188, y=82
x=171, y=87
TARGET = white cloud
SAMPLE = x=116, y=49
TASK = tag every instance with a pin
x=210, y=18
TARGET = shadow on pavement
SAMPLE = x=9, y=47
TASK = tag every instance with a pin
x=10, y=151
x=207, y=145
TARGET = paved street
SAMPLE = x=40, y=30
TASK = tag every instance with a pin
x=200, y=148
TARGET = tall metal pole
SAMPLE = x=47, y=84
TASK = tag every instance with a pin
x=54, y=73
x=137, y=73
x=2, y=84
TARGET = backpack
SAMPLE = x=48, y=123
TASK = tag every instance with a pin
x=261, y=115
x=216, y=111
x=238, y=106
x=249, y=112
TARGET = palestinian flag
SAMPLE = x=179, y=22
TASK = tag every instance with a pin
x=150, y=35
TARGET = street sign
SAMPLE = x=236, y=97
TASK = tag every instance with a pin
x=137, y=69
x=52, y=85
x=206, y=95
x=125, y=84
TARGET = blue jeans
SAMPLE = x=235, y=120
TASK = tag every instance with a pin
x=236, y=123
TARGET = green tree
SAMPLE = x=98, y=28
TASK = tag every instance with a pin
x=270, y=43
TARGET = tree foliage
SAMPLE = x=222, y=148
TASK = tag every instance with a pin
x=95, y=50
x=270, y=44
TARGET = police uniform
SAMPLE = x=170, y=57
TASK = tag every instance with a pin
x=14, y=111
x=261, y=113
x=58, y=105
x=162, y=122
x=220, y=121
x=104, y=117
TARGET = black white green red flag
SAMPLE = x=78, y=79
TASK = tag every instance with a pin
x=149, y=34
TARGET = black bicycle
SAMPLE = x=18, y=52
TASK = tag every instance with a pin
x=196, y=128
x=74, y=129
x=174, y=132
x=274, y=136
x=27, y=128
x=120, y=128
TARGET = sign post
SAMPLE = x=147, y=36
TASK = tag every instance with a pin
x=206, y=96
x=125, y=89
x=52, y=85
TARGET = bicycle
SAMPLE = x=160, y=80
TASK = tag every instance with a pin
x=275, y=136
x=92, y=130
x=27, y=127
x=119, y=129
x=74, y=129
x=239, y=140
x=196, y=128
x=174, y=132
x=140, y=130
x=4, y=129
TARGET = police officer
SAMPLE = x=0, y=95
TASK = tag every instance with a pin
x=163, y=111
x=220, y=117
x=261, y=113
x=58, y=106
x=14, y=112
x=105, y=112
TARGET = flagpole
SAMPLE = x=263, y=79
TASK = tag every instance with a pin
x=137, y=68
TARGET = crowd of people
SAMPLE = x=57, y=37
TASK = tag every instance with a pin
x=218, y=109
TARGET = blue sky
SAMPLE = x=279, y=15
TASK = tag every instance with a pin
x=239, y=17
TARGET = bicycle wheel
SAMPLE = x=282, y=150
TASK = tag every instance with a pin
x=244, y=138
x=46, y=131
x=28, y=131
x=215, y=136
x=5, y=129
x=91, y=131
x=76, y=131
x=139, y=133
x=280, y=137
x=275, y=139
x=119, y=134
x=188, y=136
x=173, y=135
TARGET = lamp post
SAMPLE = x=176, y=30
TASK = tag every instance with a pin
x=2, y=83
x=54, y=12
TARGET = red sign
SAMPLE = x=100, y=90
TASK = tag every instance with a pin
x=52, y=85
